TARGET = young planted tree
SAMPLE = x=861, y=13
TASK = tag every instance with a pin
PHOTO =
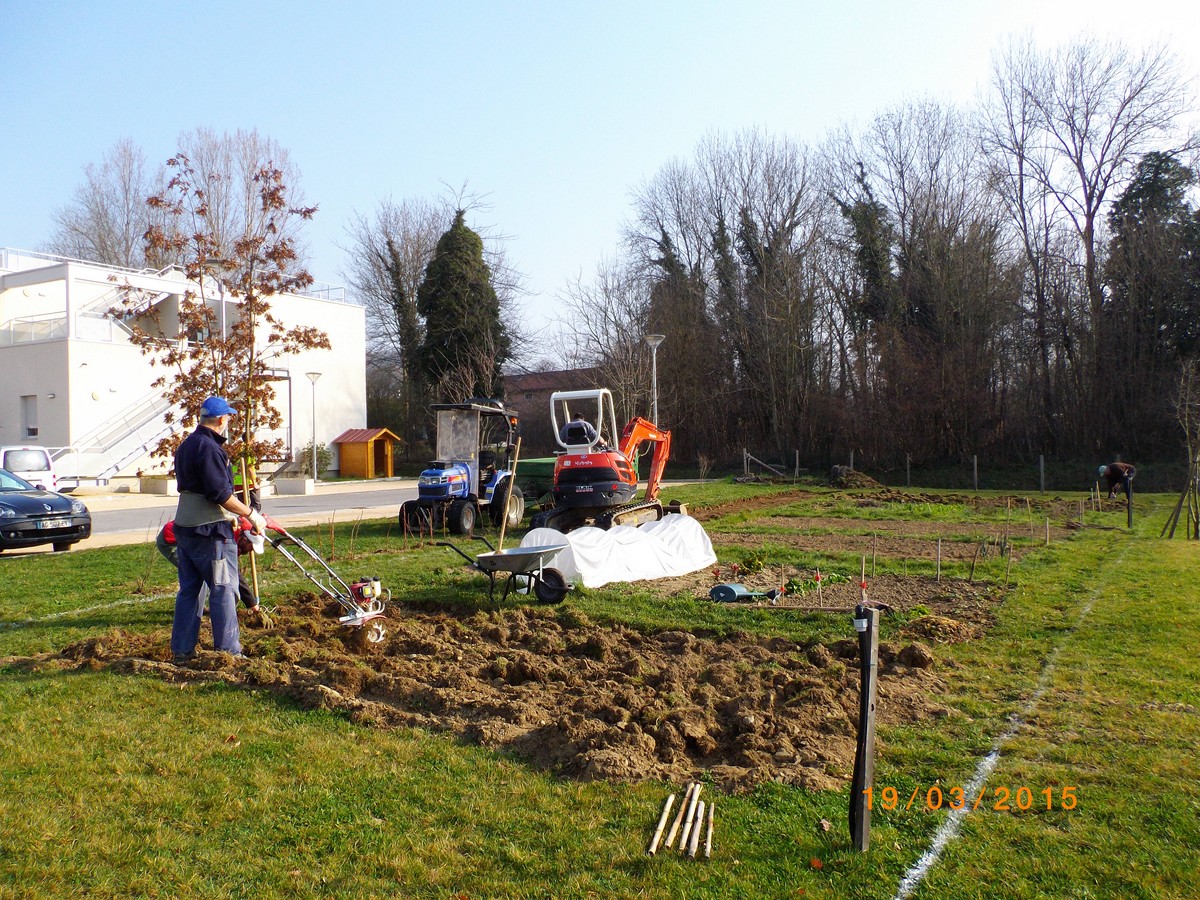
x=224, y=333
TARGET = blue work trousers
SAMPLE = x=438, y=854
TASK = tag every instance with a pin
x=208, y=561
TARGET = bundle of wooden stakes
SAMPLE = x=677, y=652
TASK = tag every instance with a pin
x=691, y=815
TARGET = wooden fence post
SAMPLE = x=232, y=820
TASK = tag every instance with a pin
x=866, y=623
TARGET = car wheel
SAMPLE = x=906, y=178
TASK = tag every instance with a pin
x=62, y=546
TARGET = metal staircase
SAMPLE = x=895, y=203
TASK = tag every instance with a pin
x=102, y=453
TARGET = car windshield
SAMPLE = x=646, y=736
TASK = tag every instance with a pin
x=27, y=460
x=10, y=482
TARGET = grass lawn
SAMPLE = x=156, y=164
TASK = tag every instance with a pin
x=119, y=785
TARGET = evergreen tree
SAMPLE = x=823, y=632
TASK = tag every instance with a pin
x=1151, y=320
x=465, y=343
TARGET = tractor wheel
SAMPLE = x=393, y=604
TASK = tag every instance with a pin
x=414, y=517
x=462, y=517
x=540, y=520
x=507, y=497
x=550, y=586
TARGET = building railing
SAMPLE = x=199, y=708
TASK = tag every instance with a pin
x=29, y=329
x=8, y=254
x=318, y=290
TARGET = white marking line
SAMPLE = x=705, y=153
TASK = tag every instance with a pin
x=86, y=609
x=950, y=827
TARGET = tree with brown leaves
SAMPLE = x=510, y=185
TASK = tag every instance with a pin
x=225, y=332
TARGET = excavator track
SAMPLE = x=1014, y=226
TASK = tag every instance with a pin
x=565, y=518
x=561, y=518
x=634, y=514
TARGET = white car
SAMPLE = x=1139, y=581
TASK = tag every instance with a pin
x=31, y=463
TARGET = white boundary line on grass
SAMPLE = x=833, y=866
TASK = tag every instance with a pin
x=86, y=609
x=950, y=827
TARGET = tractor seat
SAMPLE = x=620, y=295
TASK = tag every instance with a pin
x=575, y=434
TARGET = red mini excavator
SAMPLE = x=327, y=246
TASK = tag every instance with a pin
x=594, y=482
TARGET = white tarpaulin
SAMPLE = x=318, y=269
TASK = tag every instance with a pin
x=675, y=545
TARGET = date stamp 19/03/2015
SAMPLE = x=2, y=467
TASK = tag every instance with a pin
x=1000, y=798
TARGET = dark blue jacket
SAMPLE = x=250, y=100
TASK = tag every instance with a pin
x=202, y=467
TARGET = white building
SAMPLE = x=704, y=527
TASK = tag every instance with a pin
x=71, y=381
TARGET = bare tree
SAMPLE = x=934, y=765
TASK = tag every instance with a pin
x=604, y=322
x=107, y=218
x=1063, y=130
x=387, y=258
x=227, y=168
x=1100, y=108
x=932, y=308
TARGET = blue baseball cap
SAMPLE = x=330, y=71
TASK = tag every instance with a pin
x=216, y=406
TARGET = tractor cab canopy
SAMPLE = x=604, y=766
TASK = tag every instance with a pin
x=475, y=434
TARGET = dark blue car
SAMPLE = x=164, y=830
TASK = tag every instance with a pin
x=30, y=516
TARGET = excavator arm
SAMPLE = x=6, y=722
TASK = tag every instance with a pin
x=640, y=431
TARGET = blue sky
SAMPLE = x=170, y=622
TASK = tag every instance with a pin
x=555, y=111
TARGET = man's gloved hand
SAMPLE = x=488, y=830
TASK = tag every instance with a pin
x=258, y=522
x=264, y=620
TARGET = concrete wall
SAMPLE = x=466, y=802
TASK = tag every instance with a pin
x=341, y=391
x=97, y=377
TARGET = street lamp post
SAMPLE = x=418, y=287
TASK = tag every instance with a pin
x=218, y=265
x=313, y=376
x=654, y=340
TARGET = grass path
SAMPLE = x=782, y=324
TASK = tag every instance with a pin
x=1119, y=721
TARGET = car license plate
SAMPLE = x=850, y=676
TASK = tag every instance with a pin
x=53, y=523
x=583, y=489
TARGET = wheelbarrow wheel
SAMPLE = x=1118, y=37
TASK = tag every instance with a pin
x=550, y=586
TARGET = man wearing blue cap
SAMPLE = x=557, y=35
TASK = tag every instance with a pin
x=204, y=542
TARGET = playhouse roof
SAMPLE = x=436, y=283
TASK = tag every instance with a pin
x=363, y=435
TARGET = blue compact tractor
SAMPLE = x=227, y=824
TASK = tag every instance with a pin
x=472, y=473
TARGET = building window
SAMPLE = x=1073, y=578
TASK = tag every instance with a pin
x=529, y=395
x=29, y=416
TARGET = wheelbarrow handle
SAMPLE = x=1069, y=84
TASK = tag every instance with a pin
x=470, y=561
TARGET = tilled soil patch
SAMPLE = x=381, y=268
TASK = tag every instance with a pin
x=578, y=699
x=955, y=599
x=884, y=545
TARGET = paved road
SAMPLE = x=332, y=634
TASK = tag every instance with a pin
x=134, y=518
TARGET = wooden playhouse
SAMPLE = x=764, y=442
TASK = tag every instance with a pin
x=365, y=452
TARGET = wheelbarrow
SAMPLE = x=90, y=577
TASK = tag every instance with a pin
x=525, y=567
x=364, y=601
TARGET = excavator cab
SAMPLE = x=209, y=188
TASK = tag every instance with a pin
x=599, y=420
x=595, y=483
